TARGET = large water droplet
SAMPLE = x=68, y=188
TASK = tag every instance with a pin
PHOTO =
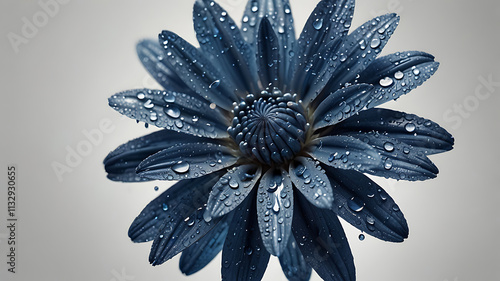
x=386, y=82
x=356, y=204
x=361, y=237
x=214, y=84
x=375, y=43
x=389, y=146
x=169, y=97
x=399, y=75
x=317, y=24
x=410, y=127
x=141, y=95
x=149, y=104
x=233, y=183
x=388, y=164
x=180, y=167
x=173, y=111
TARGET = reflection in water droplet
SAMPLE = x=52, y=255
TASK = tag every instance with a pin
x=180, y=167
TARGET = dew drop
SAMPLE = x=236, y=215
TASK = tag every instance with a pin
x=156, y=188
x=388, y=164
x=410, y=127
x=416, y=71
x=233, y=184
x=375, y=43
x=317, y=24
x=180, y=167
x=149, y=104
x=214, y=84
x=361, y=237
x=389, y=146
x=141, y=95
x=153, y=117
x=386, y=82
x=164, y=206
x=169, y=97
x=399, y=75
x=356, y=204
x=173, y=111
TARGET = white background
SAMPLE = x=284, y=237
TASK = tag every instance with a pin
x=57, y=83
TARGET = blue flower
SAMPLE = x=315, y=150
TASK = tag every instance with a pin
x=270, y=137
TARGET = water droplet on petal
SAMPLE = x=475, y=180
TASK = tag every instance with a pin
x=317, y=24
x=389, y=146
x=375, y=43
x=361, y=237
x=386, y=82
x=180, y=167
x=214, y=84
x=173, y=111
x=169, y=97
x=164, y=207
x=399, y=75
x=356, y=204
x=141, y=95
x=149, y=104
x=410, y=127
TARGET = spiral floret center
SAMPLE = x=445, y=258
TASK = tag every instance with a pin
x=270, y=126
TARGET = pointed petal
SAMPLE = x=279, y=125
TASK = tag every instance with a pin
x=171, y=110
x=397, y=74
x=421, y=133
x=341, y=105
x=186, y=160
x=319, y=41
x=219, y=36
x=365, y=205
x=232, y=189
x=243, y=255
x=203, y=251
x=322, y=241
x=268, y=56
x=399, y=160
x=280, y=16
x=293, y=263
x=174, y=237
x=175, y=203
x=151, y=55
x=197, y=71
x=358, y=50
x=122, y=162
x=275, y=210
x=344, y=152
x=310, y=179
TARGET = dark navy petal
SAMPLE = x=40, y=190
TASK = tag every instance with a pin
x=174, y=236
x=345, y=153
x=322, y=241
x=197, y=71
x=397, y=74
x=279, y=15
x=176, y=203
x=171, y=110
x=421, y=133
x=399, y=160
x=293, y=263
x=365, y=205
x=310, y=179
x=186, y=160
x=275, y=210
x=219, y=36
x=319, y=42
x=232, y=189
x=268, y=56
x=121, y=163
x=151, y=55
x=341, y=105
x=244, y=256
x=357, y=51
x=203, y=251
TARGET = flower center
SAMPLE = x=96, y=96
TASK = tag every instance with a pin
x=270, y=126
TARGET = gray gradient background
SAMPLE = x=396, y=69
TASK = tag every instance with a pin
x=76, y=229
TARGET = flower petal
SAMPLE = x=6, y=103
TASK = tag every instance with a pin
x=177, y=202
x=399, y=160
x=341, y=105
x=243, y=255
x=279, y=14
x=421, y=133
x=171, y=110
x=186, y=160
x=197, y=71
x=344, y=152
x=365, y=205
x=357, y=51
x=293, y=263
x=310, y=179
x=397, y=74
x=151, y=55
x=319, y=41
x=219, y=36
x=268, y=56
x=275, y=210
x=174, y=236
x=203, y=251
x=122, y=162
x=322, y=241
x=232, y=189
